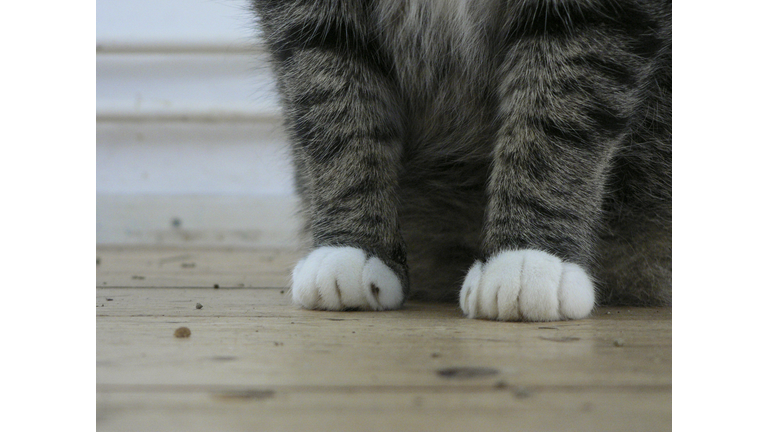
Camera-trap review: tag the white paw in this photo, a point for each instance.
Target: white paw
(526, 285)
(337, 278)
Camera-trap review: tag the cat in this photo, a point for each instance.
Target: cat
(513, 154)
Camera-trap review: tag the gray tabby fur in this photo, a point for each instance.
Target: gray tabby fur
(434, 133)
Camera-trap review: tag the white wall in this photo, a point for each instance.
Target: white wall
(197, 22)
(188, 127)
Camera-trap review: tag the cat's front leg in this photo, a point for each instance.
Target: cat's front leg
(346, 130)
(566, 100)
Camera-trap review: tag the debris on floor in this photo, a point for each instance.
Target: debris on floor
(182, 332)
(521, 392)
(560, 339)
(198, 306)
(466, 372)
(245, 394)
(223, 358)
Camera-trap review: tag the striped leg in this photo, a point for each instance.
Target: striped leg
(568, 88)
(346, 130)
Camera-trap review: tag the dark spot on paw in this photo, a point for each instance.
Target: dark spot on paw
(466, 296)
(338, 291)
(375, 291)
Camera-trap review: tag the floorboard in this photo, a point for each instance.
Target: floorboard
(256, 362)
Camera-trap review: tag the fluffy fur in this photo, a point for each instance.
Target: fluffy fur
(433, 134)
(526, 284)
(337, 278)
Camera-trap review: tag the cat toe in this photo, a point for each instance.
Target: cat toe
(576, 293)
(338, 278)
(526, 285)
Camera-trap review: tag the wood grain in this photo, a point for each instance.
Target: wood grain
(256, 362)
(147, 266)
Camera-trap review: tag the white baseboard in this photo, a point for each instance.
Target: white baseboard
(237, 221)
(218, 85)
(191, 158)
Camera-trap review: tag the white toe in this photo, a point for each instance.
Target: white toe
(469, 289)
(381, 285)
(577, 296)
(338, 279)
(541, 279)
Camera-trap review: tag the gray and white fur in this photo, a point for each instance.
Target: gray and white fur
(513, 154)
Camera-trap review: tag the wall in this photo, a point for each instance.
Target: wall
(189, 148)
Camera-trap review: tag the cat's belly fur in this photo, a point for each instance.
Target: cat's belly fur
(450, 108)
(447, 159)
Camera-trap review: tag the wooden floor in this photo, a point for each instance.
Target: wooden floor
(254, 362)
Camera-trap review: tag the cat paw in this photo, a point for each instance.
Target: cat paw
(526, 285)
(338, 278)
